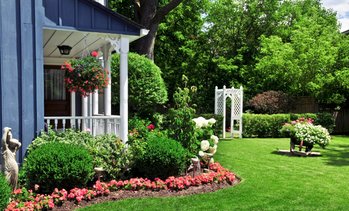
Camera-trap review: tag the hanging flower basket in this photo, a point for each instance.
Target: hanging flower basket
(85, 75)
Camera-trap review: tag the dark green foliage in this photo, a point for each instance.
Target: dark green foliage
(5, 192)
(146, 86)
(326, 120)
(58, 165)
(271, 102)
(218, 126)
(182, 48)
(163, 157)
(179, 120)
(263, 125)
(138, 129)
(182, 128)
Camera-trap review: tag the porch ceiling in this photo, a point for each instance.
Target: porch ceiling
(81, 42)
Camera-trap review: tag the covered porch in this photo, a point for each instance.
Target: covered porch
(85, 26)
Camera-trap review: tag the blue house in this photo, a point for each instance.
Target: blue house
(31, 83)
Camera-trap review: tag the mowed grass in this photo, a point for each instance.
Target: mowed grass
(270, 181)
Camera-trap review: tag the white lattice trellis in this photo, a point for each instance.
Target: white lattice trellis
(236, 97)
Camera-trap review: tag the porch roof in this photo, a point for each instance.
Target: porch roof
(87, 15)
(84, 25)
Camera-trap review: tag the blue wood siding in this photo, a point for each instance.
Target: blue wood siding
(21, 69)
(86, 15)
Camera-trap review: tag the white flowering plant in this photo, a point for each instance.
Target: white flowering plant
(304, 130)
(313, 134)
(203, 129)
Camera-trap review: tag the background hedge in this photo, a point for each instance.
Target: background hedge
(269, 125)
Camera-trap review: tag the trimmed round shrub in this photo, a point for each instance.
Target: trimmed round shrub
(5, 192)
(162, 157)
(146, 86)
(58, 165)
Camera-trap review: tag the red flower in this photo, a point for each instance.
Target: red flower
(151, 127)
(94, 53)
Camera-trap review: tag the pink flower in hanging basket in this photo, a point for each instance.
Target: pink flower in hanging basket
(85, 75)
(94, 53)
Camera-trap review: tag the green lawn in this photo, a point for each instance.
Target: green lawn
(270, 181)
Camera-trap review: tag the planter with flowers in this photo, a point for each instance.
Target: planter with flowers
(303, 132)
(85, 75)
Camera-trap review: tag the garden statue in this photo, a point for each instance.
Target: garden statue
(195, 166)
(9, 146)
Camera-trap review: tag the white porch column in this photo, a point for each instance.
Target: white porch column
(107, 90)
(72, 108)
(84, 112)
(95, 102)
(124, 48)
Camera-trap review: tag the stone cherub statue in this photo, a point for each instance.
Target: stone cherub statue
(9, 146)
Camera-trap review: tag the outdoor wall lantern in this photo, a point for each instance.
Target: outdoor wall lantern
(64, 49)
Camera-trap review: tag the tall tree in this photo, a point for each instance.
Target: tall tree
(181, 49)
(234, 31)
(302, 58)
(148, 13)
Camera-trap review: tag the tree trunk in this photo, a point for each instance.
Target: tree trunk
(145, 45)
(148, 14)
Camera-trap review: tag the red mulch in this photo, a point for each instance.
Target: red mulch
(124, 194)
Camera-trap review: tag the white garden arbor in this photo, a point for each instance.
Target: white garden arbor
(236, 98)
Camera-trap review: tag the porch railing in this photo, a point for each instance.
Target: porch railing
(96, 125)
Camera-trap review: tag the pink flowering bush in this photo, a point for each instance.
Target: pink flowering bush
(23, 199)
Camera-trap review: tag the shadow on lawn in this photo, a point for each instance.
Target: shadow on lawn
(295, 153)
(338, 156)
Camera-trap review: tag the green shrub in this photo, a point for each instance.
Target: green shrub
(58, 165)
(269, 125)
(146, 86)
(263, 125)
(326, 120)
(5, 192)
(162, 157)
(107, 151)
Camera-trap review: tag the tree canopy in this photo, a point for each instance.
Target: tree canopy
(293, 46)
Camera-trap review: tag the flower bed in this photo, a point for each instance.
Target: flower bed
(28, 200)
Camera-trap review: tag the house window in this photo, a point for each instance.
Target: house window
(54, 84)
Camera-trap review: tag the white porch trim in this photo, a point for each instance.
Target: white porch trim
(124, 49)
(107, 66)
